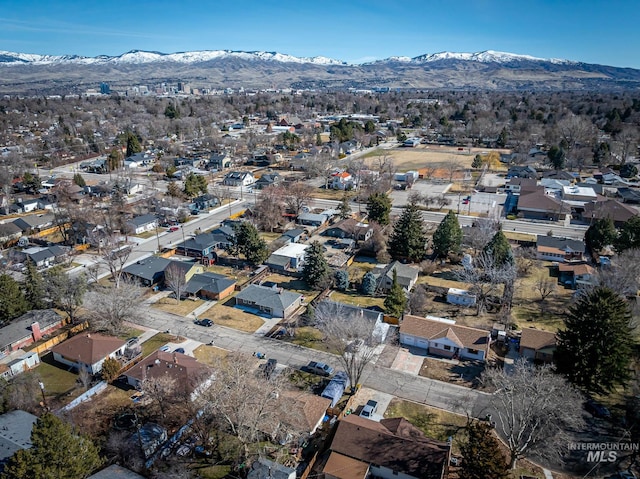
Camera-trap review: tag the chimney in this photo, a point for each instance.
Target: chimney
(35, 331)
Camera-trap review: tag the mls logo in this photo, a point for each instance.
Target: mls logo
(602, 456)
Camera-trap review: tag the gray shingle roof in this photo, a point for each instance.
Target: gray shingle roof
(564, 244)
(20, 328)
(143, 220)
(268, 297)
(147, 268)
(15, 432)
(210, 282)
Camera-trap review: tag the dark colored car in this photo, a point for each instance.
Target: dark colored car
(179, 350)
(319, 368)
(596, 409)
(204, 322)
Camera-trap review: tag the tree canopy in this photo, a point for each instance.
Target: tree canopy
(601, 233)
(628, 235)
(194, 185)
(396, 300)
(596, 345)
(316, 271)
(247, 241)
(408, 239)
(500, 249)
(379, 208)
(481, 454)
(12, 300)
(448, 236)
(58, 452)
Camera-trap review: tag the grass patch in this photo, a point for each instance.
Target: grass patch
(155, 342)
(146, 234)
(463, 373)
(270, 237)
(440, 282)
(227, 315)
(96, 416)
(183, 308)
(435, 423)
(130, 333)
(328, 194)
(209, 355)
(355, 298)
(358, 269)
(214, 472)
(56, 377)
(292, 284)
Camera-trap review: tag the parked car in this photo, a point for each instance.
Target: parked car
(596, 409)
(179, 350)
(200, 451)
(131, 341)
(204, 322)
(369, 409)
(183, 450)
(165, 348)
(321, 369)
(174, 228)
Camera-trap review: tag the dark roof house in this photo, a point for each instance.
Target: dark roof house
(273, 301)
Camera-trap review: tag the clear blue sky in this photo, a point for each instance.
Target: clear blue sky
(593, 31)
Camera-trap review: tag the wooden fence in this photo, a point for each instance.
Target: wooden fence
(57, 339)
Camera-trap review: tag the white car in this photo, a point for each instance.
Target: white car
(369, 409)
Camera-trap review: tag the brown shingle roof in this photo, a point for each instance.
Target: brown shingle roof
(618, 212)
(304, 410)
(576, 268)
(391, 443)
(471, 338)
(184, 369)
(88, 348)
(536, 339)
(538, 200)
(343, 467)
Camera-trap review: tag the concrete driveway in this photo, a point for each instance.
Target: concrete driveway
(407, 362)
(365, 394)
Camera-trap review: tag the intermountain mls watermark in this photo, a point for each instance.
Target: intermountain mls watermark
(604, 451)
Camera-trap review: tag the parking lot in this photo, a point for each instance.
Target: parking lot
(421, 187)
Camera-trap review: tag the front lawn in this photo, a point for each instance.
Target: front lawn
(436, 423)
(56, 377)
(228, 315)
(184, 308)
(462, 373)
(356, 299)
(209, 355)
(155, 342)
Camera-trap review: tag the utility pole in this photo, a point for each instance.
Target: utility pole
(44, 398)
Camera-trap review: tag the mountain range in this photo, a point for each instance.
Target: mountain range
(29, 74)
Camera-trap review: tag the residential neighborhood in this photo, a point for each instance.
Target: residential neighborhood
(332, 295)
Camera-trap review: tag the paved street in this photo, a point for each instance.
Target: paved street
(398, 383)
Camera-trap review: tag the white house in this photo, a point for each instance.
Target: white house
(460, 297)
(239, 178)
(445, 339)
(142, 223)
(342, 181)
(17, 362)
(88, 351)
(290, 256)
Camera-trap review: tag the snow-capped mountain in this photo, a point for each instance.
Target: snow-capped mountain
(24, 73)
(136, 57)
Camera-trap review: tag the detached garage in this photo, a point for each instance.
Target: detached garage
(444, 338)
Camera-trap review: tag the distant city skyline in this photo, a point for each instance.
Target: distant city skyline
(354, 31)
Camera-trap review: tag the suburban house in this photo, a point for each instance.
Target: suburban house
(187, 372)
(15, 433)
(518, 185)
(210, 286)
(17, 362)
(517, 171)
(29, 328)
(581, 194)
(34, 223)
(406, 275)
(350, 228)
(151, 271)
(219, 161)
(291, 236)
(274, 301)
(391, 448)
(312, 219)
(329, 308)
(576, 275)
(461, 297)
(138, 160)
(538, 205)
(620, 213)
(27, 206)
(445, 338)
(204, 245)
(629, 195)
(537, 345)
(45, 257)
(141, 224)
(115, 472)
(268, 179)
(342, 181)
(239, 178)
(88, 351)
(305, 411)
(204, 202)
(9, 232)
(290, 256)
(551, 248)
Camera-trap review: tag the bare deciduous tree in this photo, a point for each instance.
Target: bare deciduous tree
(484, 278)
(297, 196)
(535, 409)
(111, 306)
(354, 336)
(269, 209)
(481, 233)
(545, 286)
(175, 280)
(161, 390)
(115, 254)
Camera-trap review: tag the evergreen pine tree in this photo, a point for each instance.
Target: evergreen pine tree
(481, 454)
(448, 236)
(601, 233)
(12, 302)
(396, 300)
(58, 451)
(477, 162)
(34, 287)
(316, 271)
(379, 208)
(408, 240)
(596, 345)
(341, 279)
(368, 284)
(629, 235)
(247, 241)
(344, 208)
(500, 249)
